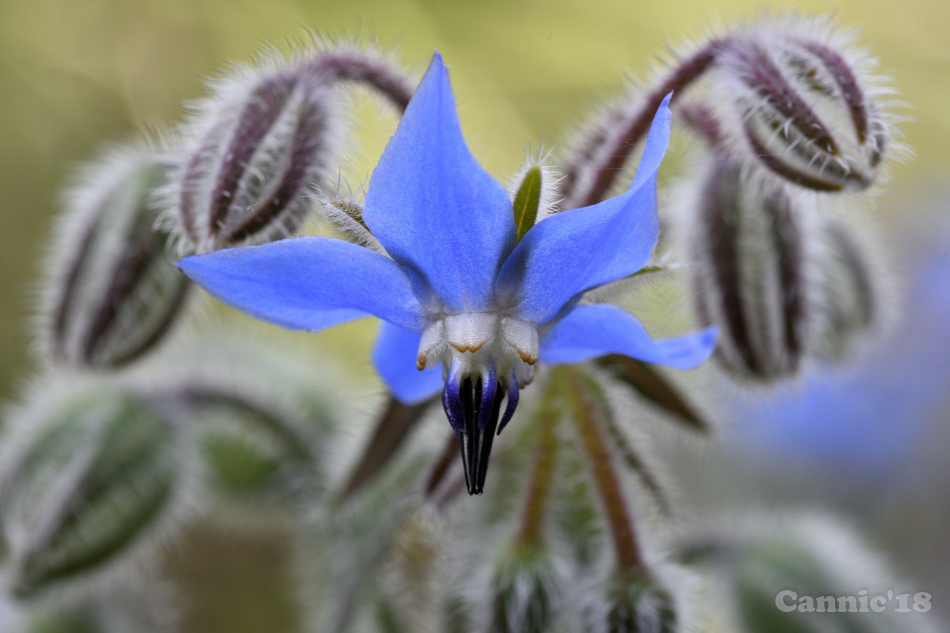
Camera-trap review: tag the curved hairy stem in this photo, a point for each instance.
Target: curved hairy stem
(586, 415)
(590, 175)
(368, 69)
(542, 473)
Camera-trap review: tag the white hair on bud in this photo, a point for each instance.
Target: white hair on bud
(784, 40)
(208, 134)
(856, 304)
(90, 186)
(74, 280)
(40, 403)
(343, 210)
(755, 253)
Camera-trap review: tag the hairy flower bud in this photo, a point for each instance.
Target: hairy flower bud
(111, 291)
(803, 102)
(748, 272)
(852, 303)
(525, 594)
(257, 147)
(632, 605)
(88, 479)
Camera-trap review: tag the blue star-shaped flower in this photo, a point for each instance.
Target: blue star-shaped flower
(466, 306)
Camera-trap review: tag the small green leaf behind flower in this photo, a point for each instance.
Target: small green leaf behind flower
(527, 200)
(252, 452)
(534, 191)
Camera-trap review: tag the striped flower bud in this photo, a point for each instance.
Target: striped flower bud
(111, 290)
(852, 303)
(632, 605)
(747, 242)
(256, 149)
(525, 593)
(89, 479)
(805, 104)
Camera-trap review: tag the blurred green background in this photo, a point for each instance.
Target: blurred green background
(77, 73)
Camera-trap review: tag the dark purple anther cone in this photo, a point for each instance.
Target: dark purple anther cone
(473, 407)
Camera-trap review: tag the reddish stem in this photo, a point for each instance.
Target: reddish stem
(623, 534)
(370, 70)
(542, 475)
(606, 163)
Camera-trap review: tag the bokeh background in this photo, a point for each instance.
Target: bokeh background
(76, 74)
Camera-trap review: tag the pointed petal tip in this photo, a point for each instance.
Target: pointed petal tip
(421, 196)
(436, 67)
(191, 266)
(184, 263)
(654, 149)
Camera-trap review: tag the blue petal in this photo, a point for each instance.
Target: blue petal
(307, 283)
(579, 249)
(594, 330)
(433, 207)
(395, 358)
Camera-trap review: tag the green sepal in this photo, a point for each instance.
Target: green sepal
(527, 201)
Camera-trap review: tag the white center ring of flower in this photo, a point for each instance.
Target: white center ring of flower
(476, 340)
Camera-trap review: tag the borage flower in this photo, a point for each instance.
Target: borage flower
(466, 306)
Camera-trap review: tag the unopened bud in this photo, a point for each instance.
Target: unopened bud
(89, 480)
(852, 301)
(805, 104)
(748, 272)
(257, 147)
(112, 291)
(525, 593)
(637, 604)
